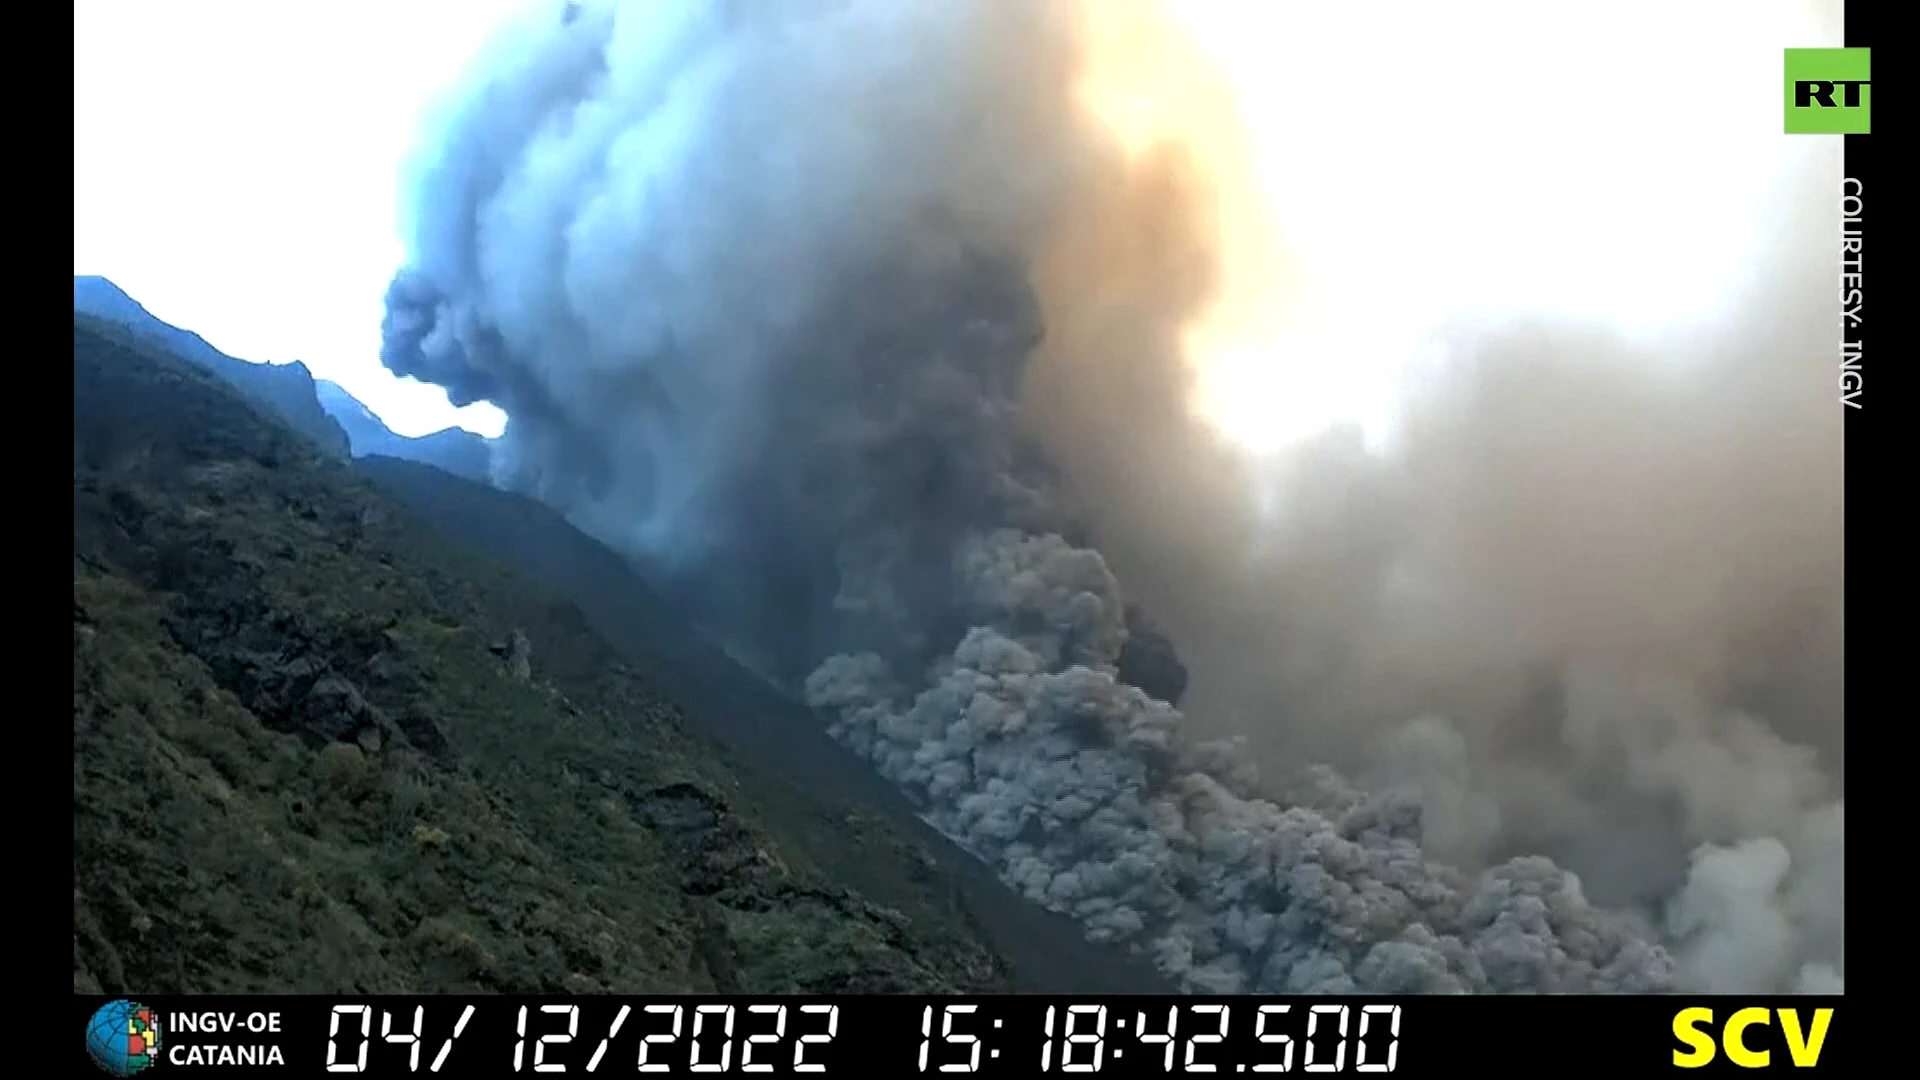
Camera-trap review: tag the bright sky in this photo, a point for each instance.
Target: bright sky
(236, 163)
(236, 169)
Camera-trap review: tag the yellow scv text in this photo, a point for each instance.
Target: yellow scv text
(1693, 1027)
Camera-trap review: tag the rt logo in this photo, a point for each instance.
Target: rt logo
(1828, 92)
(1694, 1028)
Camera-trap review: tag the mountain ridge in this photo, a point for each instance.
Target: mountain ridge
(286, 389)
(454, 449)
(321, 409)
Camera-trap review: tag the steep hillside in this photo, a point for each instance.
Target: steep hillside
(770, 733)
(287, 389)
(318, 749)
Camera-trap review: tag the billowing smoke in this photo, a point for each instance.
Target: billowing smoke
(847, 320)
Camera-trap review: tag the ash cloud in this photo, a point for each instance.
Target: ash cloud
(846, 319)
(1590, 605)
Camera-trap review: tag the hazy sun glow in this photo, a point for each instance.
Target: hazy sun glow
(1389, 171)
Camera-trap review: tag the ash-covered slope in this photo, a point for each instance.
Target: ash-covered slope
(318, 749)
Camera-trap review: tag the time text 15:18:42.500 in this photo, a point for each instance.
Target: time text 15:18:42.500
(1195, 1038)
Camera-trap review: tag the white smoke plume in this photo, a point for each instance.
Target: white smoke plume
(847, 318)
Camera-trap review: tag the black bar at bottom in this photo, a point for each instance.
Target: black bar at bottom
(991, 1036)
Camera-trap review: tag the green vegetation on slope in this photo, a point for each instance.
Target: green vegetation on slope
(315, 749)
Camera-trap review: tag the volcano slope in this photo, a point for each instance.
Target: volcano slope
(319, 748)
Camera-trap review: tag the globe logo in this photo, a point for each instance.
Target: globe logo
(124, 1038)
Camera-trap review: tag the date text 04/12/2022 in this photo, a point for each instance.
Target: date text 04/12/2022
(1022, 1038)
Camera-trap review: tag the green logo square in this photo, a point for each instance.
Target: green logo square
(1827, 92)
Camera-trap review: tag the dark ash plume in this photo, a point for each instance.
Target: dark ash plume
(846, 319)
